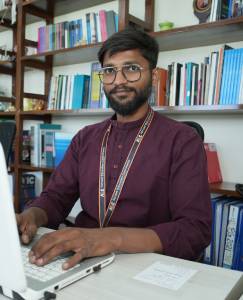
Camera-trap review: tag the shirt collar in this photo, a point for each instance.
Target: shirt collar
(128, 125)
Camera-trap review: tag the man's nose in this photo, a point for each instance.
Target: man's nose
(120, 78)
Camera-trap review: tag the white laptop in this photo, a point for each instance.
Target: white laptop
(18, 279)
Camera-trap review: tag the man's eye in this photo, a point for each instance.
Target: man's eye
(109, 71)
(132, 68)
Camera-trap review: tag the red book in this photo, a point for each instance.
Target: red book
(160, 86)
(214, 172)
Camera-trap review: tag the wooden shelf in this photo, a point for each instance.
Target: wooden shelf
(7, 114)
(7, 99)
(199, 109)
(34, 168)
(222, 31)
(61, 7)
(7, 68)
(227, 188)
(69, 56)
(80, 112)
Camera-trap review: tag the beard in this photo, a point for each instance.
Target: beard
(125, 107)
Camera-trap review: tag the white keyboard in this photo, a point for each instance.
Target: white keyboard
(45, 273)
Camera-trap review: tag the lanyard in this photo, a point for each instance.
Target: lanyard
(105, 214)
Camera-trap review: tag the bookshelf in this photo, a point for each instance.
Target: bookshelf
(174, 39)
(35, 10)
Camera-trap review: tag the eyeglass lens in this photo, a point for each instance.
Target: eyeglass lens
(130, 72)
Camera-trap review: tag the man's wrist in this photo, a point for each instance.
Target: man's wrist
(40, 216)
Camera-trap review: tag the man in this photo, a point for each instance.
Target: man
(141, 177)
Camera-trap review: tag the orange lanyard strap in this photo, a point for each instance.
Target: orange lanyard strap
(105, 214)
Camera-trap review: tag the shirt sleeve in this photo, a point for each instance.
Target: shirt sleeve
(62, 190)
(188, 232)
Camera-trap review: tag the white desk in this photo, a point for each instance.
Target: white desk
(116, 282)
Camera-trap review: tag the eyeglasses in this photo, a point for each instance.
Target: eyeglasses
(131, 72)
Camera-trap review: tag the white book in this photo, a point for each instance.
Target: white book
(98, 30)
(51, 97)
(64, 89)
(35, 144)
(240, 99)
(213, 76)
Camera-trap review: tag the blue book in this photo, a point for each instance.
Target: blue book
(238, 65)
(80, 31)
(78, 91)
(238, 251)
(62, 142)
(188, 82)
(216, 221)
(225, 78)
(88, 28)
(209, 254)
(219, 208)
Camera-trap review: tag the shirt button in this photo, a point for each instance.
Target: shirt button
(115, 166)
(120, 146)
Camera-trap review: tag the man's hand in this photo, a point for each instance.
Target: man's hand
(82, 242)
(29, 221)
(92, 242)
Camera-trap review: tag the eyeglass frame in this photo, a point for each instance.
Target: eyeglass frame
(121, 69)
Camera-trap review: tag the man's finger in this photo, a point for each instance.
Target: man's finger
(71, 262)
(56, 250)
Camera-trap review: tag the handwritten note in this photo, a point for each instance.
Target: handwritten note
(167, 276)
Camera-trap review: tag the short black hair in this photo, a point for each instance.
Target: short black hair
(129, 39)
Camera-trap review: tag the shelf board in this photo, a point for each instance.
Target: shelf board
(201, 109)
(7, 68)
(69, 56)
(212, 33)
(34, 168)
(227, 188)
(197, 109)
(80, 112)
(62, 7)
(7, 99)
(7, 114)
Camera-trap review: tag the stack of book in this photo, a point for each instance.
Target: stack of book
(42, 141)
(96, 27)
(218, 80)
(226, 248)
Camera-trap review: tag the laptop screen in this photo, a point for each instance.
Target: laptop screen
(12, 270)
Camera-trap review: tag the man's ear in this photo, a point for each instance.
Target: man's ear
(154, 76)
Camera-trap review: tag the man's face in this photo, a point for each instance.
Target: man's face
(126, 97)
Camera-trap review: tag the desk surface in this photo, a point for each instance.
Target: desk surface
(116, 282)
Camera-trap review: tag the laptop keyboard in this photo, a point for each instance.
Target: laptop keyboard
(44, 273)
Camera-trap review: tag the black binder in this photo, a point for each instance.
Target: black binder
(7, 133)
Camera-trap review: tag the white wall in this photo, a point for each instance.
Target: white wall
(225, 130)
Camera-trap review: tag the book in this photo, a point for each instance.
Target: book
(26, 147)
(223, 229)
(214, 170)
(62, 142)
(232, 233)
(95, 86)
(27, 190)
(7, 135)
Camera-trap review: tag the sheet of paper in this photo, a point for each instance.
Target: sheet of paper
(167, 276)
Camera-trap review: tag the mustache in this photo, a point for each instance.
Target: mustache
(122, 88)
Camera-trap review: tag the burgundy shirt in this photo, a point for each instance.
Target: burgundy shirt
(166, 188)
